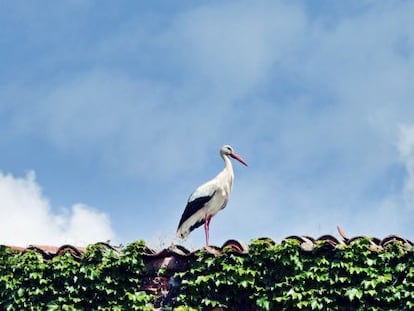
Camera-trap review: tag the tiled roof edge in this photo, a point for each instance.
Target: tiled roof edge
(178, 251)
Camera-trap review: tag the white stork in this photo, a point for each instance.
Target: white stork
(209, 198)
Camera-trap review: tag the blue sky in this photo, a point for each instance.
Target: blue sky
(112, 113)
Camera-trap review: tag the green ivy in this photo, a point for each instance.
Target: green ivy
(284, 277)
(358, 276)
(101, 280)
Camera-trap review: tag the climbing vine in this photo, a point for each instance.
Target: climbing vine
(283, 277)
(270, 276)
(101, 280)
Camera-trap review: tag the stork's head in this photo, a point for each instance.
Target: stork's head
(227, 150)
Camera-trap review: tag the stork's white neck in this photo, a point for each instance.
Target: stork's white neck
(228, 166)
(226, 176)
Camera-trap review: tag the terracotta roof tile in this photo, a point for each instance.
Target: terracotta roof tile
(171, 256)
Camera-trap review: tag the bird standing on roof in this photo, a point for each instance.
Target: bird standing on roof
(209, 198)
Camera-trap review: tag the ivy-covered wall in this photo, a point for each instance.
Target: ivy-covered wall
(269, 277)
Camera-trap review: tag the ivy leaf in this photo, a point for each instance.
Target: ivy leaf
(352, 293)
(263, 303)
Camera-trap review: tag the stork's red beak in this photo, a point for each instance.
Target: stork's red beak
(238, 158)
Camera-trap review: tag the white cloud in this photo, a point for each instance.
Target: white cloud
(406, 150)
(26, 217)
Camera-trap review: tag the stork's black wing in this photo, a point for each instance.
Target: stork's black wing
(192, 207)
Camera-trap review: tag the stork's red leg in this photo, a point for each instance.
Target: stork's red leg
(207, 227)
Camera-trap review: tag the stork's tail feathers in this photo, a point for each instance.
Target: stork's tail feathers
(187, 226)
(181, 233)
